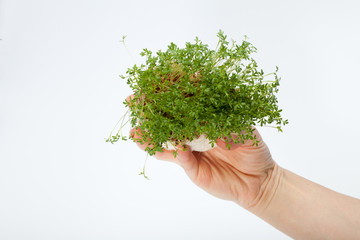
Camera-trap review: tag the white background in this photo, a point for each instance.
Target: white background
(60, 95)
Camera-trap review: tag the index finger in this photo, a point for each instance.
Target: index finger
(128, 99)
(166, 155)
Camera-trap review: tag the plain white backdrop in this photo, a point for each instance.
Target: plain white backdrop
(60, 95)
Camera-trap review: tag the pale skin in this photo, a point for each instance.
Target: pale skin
(248, 176)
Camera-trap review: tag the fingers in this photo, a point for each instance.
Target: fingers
(185, 159)
(222, 143)
(188, 161)
(128, 99)
(166, 155)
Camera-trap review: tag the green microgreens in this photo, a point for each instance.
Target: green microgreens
(182, 93)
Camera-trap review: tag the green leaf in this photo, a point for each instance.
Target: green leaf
(180, 93)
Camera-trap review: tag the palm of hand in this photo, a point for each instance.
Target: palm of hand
(235, 174)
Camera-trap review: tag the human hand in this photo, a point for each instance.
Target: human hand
(240, 174)
(247, 175)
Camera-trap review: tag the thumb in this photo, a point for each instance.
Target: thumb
(188, 161)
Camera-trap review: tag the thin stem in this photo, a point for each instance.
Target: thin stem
(269, 74)
(123, 41)
(122, 127)
(266, 126)
(121, 119)
(143, 172)
(270, 81)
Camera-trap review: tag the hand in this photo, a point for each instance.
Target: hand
(248, 175)
(239, 174)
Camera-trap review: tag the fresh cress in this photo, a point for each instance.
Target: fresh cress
(183, 93)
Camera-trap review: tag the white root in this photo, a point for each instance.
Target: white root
(201, 144)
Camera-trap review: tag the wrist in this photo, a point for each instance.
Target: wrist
(267, 191)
